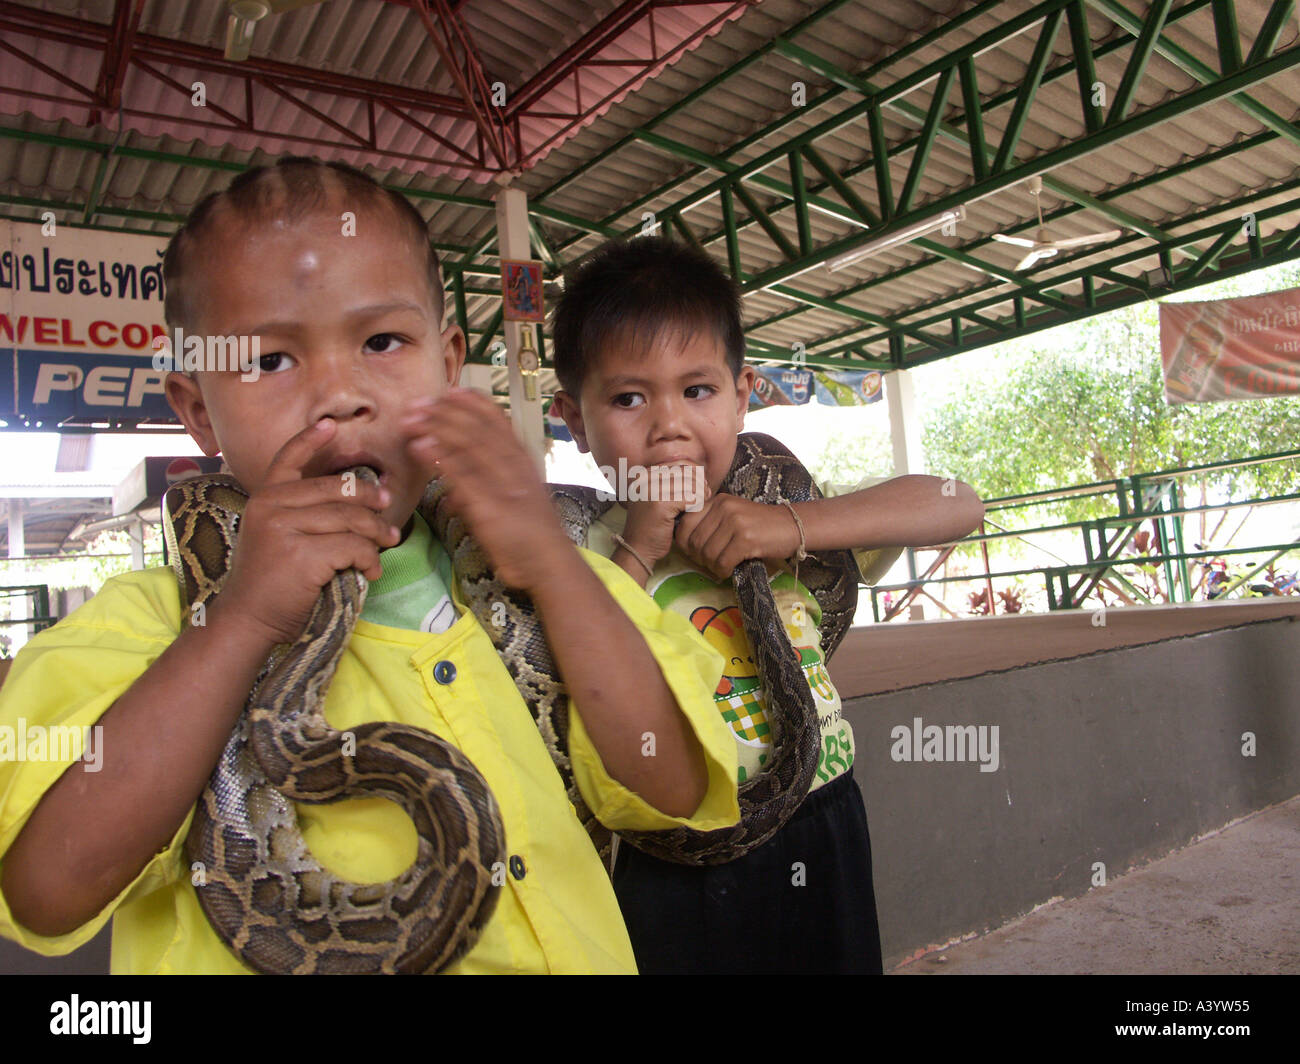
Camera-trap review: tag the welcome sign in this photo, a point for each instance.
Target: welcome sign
(79, 311)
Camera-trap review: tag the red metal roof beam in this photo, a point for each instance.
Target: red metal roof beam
(448, 33)
(81, 32)
(599, 37)
(117, 57)
(648, 68)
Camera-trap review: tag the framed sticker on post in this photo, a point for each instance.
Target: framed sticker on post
(521, 287)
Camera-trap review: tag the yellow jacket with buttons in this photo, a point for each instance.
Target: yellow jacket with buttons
(557, 911)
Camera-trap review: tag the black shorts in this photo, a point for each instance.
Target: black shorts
(803, 902)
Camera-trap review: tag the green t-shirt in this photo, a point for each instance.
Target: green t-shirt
(417, 574)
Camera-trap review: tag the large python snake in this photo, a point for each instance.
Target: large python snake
(280, 910)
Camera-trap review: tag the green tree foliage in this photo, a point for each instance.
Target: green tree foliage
(1085, 403)
(850, 456)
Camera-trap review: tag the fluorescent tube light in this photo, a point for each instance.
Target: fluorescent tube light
(902, 236)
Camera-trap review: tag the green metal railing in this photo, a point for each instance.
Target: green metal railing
(1155, 497)
(41, 618)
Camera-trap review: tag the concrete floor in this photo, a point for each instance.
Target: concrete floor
(1227, 904)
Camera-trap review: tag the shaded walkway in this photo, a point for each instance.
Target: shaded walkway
(1227, 904)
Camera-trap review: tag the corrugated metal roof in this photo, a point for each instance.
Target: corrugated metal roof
(383, 44)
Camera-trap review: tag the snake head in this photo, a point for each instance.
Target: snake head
(364, 473)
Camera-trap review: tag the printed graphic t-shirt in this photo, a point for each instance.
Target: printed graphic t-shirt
(712, 608)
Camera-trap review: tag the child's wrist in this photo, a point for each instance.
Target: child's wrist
(642, 562)
(236, 630)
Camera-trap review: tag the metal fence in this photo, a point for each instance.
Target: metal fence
(1161, 556)
(39, 596)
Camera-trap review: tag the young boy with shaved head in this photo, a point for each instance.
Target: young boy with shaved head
(337, 280)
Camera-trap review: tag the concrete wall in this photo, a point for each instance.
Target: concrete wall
(1116, 757)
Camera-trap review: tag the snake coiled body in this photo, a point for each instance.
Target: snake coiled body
(280, 910)
(264, 893)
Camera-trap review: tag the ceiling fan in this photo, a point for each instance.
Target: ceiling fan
(244, 17)
(1043, 246)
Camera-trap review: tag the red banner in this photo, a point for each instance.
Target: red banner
(1231, 348)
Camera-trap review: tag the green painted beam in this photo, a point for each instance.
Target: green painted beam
(733, 239)
(1213, 253)
(995, 298)
(722, 166)
(101, 170)
(71, 225)
(1227, 36)
(1184, 103)
(924, 41)
(1179, 169)
(679, 223)
(762, 216)
(489, 331)
(800, 191)
(80, 209)
(970, 97)
(540, 210)
(957, 136)
(841, 187)
(1279, 14)
(1002, 32)
(938, 307)
(1147, 37)
(1279, 248)
(1029, 85)
(1085, 66)
(854, 312)
(800, 27)
(880, 151)
(928, 132)
(769, 227)
(1189, 64)
(542, 245)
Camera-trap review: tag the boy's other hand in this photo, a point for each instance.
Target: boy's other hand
(492, 482)
(297, 532)
(651, 525)
(730, 530)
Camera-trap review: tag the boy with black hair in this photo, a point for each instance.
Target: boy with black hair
(649, 352)
(337, 280)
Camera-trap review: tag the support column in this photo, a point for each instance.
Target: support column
(17, 543)
(513, 242)
(904, 424)
(905, 435)
(135, 530)
(18, 607)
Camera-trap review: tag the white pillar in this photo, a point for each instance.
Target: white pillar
(905, 435)
(513, 242)
(18, 606)
(17, 544)
(135, 530)
(904, 424)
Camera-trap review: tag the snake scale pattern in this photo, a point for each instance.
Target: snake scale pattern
(280, 910)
